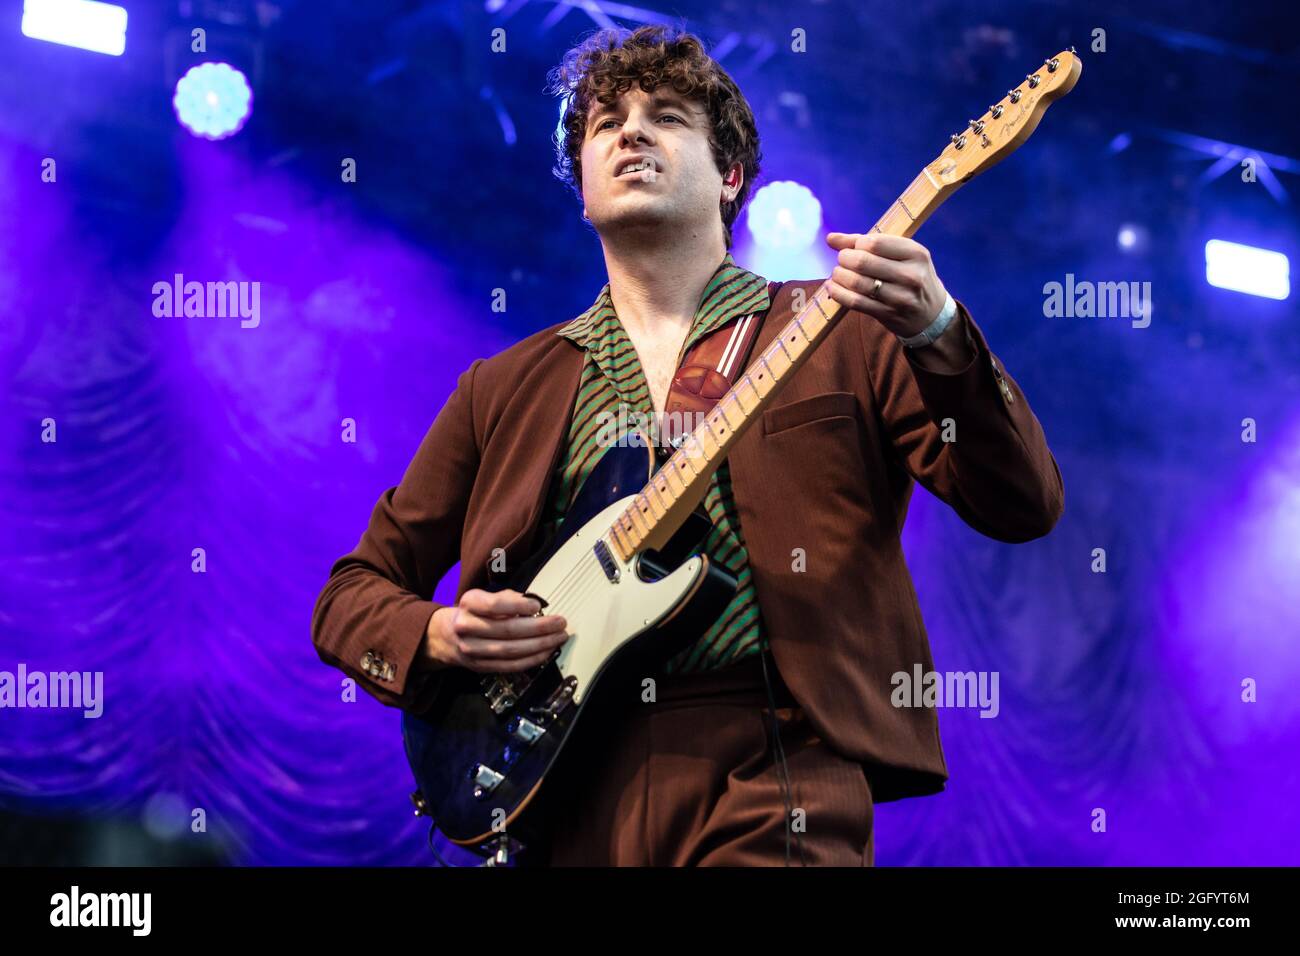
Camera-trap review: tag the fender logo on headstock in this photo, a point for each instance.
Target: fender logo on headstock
(1025, 105)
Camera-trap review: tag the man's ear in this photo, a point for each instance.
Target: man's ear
(733, 178)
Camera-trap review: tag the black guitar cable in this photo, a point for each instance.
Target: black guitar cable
(775, 743)
(433, 828)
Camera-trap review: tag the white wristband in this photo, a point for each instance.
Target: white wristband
(935, 329)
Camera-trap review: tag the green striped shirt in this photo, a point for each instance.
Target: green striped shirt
(612, 374)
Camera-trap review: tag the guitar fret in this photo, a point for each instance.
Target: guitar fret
(622, 545)
(668, 471)
(817, 302)
(633, 514)
(655, 490)
(770, 355)
(720, 422)
(649, 494)
(705, 425)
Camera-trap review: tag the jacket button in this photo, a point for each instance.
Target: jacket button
(1002, 382)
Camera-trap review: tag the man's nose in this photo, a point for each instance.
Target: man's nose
(635, 129)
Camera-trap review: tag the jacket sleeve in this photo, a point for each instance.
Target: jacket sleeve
(370, 619)
(998, 473)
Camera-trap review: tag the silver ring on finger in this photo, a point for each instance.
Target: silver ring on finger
(875, 289)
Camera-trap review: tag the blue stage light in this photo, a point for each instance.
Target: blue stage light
(213, 100)
(1131, 238)
(99, 27)
(784, 215)
(1262, 272)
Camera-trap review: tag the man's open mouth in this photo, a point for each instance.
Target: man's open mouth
(635, 168)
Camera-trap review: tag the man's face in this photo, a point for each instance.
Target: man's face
(682, 187)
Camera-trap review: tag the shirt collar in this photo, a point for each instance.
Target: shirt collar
(733, 291)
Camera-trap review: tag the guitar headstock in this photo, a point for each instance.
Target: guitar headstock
(1000, 131)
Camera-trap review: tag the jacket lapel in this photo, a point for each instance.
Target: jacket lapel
(538, 425)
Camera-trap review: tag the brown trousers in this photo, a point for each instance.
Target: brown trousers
(692, 780)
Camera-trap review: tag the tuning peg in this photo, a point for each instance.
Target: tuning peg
(1033, 79)
(1051, 64)
(1013, 96)
(976, 126)
(958, 141)
(996, 110)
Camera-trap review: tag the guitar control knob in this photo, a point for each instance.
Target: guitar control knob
(485, 780)
(524, 730)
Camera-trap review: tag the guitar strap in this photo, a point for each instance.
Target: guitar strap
(709, 370)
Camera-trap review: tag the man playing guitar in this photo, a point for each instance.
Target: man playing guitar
(776, 722)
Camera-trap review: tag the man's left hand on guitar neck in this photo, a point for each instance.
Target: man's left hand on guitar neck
(909, 297)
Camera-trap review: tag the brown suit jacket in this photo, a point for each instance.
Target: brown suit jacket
(829, 469)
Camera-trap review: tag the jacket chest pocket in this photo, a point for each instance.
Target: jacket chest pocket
(827, 406)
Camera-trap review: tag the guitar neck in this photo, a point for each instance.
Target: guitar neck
(678, 487)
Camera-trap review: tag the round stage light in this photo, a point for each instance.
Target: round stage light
(213, 100)
(784, 215)
(1132, 238)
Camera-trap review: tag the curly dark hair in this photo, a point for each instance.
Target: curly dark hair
(606, 64)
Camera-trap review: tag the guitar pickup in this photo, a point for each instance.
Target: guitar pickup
(607, 562)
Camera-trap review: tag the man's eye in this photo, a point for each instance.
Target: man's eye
(603, 123)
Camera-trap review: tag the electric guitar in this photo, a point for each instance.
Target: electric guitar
(624, 568)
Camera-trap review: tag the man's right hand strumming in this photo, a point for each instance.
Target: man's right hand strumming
(491, 632)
